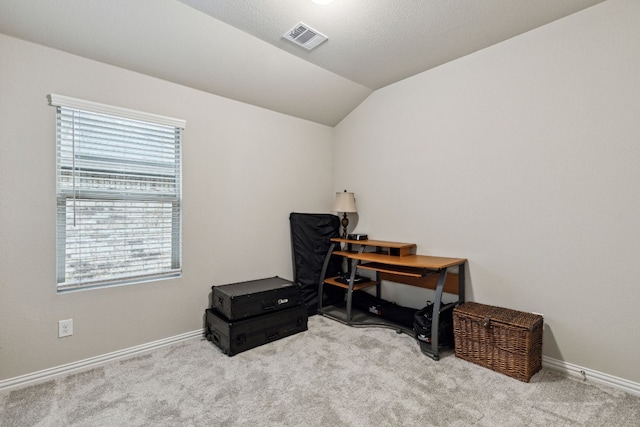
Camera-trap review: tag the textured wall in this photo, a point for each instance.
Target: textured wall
(244, 170)
(524, 159)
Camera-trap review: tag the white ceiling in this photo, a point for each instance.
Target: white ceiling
(234, 48)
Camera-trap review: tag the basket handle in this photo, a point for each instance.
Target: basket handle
(486, 322)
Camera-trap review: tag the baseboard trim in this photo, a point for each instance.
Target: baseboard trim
(57, 371)
(587, 374)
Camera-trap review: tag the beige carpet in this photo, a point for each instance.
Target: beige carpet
(330, 375)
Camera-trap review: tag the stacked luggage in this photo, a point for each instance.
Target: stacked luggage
(249, 314)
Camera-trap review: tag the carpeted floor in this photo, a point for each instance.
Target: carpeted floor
(330, 375)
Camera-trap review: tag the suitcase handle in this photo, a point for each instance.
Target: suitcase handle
(273, 335)
(268, 305)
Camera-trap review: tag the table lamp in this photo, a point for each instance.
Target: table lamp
(345, 203)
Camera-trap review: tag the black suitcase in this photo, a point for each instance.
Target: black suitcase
(245, 299)
(237, 336)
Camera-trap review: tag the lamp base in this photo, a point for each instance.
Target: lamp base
(345, 223)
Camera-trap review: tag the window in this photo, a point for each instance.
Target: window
(118, 193)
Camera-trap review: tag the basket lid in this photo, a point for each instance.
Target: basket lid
(500, 314)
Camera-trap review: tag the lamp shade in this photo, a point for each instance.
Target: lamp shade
(345, 202)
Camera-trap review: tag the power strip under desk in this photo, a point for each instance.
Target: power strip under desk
(360, 318)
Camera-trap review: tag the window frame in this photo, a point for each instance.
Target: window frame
(119, 199)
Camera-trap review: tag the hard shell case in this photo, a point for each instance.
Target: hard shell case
(234, 337)
(245, 299)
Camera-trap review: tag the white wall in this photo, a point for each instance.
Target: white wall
(522, 158)
(244, 170)
(525, 159)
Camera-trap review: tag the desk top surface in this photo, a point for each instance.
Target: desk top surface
(374, 243)
(416, 261)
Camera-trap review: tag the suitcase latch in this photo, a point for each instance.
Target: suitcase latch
(268, 305)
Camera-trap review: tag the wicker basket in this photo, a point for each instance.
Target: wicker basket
(501, 339)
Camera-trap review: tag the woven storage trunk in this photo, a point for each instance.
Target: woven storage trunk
(501, 339)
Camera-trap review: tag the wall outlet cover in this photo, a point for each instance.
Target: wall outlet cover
(65, 328)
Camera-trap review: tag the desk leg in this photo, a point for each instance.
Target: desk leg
(323, 273)
(354, 264)
(435, 323)
(461, 282)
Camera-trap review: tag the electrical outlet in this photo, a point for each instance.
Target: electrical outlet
(65, 328)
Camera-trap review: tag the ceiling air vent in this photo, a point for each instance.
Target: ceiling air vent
(305, 36)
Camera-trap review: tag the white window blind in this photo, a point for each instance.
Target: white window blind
(119, 195)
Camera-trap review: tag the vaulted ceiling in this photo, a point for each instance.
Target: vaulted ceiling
(234, 48)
